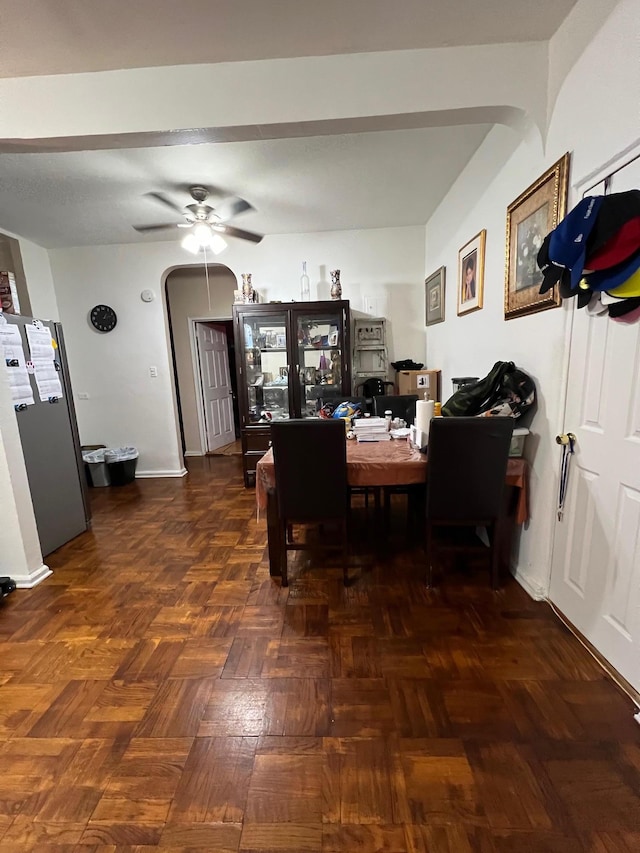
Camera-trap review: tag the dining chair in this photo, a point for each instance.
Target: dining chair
(401, 406)
(310, 461)
(467, 465)
(372, 386)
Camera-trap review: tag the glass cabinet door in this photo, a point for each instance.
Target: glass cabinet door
(266, 367)
(319, 362)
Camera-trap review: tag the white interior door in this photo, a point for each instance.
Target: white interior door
(216, 385)
(595, 576)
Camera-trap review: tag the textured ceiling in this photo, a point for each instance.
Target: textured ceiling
(358, 180)
(391, 171)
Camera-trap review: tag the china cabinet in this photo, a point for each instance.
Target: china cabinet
(288, 355)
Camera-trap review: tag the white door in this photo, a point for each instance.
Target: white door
(216, 386)
(595, 575)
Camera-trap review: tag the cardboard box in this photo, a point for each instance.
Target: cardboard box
(418, 382)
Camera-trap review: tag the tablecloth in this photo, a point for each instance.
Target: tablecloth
(391, 463)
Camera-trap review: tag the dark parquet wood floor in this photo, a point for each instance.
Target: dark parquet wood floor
(161, 693)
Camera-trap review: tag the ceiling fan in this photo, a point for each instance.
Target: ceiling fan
(206, 223)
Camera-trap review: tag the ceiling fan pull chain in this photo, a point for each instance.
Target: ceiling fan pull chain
(206, 273)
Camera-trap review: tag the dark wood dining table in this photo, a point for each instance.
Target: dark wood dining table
(379, 464)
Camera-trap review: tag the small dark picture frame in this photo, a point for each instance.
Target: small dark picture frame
(434, 287)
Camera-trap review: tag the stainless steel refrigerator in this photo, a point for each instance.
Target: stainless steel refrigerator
(51, 448)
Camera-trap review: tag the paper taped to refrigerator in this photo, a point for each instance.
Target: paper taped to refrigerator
(13, 355)
(43, 358)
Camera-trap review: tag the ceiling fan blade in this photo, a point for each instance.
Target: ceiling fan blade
(231, 207)
(238, 232)
(145, 229)
(162, 199)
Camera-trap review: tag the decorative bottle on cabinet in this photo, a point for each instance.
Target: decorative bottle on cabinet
(305, 291)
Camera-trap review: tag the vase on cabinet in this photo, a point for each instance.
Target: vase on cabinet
(336, 287)
(247, 288)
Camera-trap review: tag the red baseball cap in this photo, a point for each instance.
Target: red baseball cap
(624, 243)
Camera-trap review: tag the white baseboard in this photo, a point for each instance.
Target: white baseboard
(178, 472)
(33, 578)
(193, 453)
(530, 586)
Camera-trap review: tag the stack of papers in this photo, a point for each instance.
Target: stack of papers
(371, 429)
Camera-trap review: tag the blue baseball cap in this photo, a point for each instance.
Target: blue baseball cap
(568, 240)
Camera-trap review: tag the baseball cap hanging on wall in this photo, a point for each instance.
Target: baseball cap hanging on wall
(595, 250)
(568, 242)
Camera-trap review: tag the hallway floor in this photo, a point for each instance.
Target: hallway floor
(161, 692)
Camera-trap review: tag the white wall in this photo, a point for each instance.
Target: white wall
(125, 405)
(188, 298)
(37, 272)
(594, 128)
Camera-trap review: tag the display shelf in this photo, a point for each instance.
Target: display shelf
(319, 348)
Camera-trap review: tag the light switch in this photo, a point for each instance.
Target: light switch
(153, 372)
(82, 395)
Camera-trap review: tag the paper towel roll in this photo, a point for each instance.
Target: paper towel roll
(424, 413)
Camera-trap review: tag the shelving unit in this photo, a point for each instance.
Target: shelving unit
(370, 357)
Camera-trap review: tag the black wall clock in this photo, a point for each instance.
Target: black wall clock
(103, 318)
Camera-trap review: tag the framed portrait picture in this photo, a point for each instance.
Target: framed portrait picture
(529, 219)
(333, 338)
(471, 273)
(434, 296)
(281, 341)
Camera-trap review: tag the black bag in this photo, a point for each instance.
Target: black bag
(506, 390)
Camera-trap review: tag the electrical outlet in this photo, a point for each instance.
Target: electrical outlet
(82, 395)
(153, 372)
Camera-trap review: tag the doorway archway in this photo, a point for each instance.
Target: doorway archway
(193, 308)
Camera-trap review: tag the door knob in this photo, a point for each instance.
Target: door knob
(565, 438)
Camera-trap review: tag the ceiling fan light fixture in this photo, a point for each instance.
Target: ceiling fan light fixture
(203, 234)
(205, 223)
(191, 244)
(202, 237)
(217, 244)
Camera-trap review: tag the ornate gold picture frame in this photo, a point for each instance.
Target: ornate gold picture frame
(471, 273)
(530, 218)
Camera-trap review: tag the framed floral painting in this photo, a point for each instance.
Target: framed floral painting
(434, 296)
(530, 218)
(471, 274)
